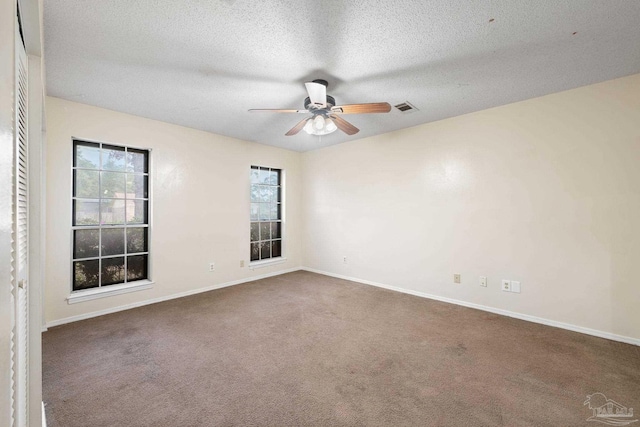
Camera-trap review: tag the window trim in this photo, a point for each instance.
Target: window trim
(80, 295)
(109, 290)
(283, 229)
(267, 262)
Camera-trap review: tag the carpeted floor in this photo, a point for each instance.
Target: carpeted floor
(303, 349)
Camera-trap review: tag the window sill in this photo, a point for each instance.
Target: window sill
(107, 291)
(266, 263)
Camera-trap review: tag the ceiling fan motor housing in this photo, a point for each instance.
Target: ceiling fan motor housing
(331, 102)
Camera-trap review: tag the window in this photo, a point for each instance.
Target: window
(266, 213)
(110, 215)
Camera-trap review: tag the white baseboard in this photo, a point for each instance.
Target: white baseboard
(164, 298)
(529, 318)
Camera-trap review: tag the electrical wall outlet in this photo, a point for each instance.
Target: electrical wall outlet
(456, 278)
(515, 286)
(483, 281)
(344, 259)
(241, 263)
(212, 266)
(511, 286)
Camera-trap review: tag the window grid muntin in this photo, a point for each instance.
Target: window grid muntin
(259, 221)
(100, 226)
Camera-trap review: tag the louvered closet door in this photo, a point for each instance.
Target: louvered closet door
(20, 333)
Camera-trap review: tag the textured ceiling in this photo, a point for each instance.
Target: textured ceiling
(204, 63)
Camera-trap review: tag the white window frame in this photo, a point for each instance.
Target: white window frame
(76, 296)
(282, 258)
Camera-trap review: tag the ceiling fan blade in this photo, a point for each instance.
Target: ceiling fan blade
(317, 93)
(269, 110)
(376, 107)
(344, 125)
(297, 128)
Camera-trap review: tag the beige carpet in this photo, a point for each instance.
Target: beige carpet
(303, 349)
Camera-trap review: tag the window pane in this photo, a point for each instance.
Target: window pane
(136, 267)
(276, 232)
(86, 183)
(274, 211)
(255, 175)
(113, 158)
(86, 212)
(255, 251)
(112, 241)
(255, 193)
(265, 230)
(275, 194)
(265, 250)
(136, 240)
(266, 193)
(85, 274)
(87, 155)
(136, 211)
(264, 175)
(270, 193)
(264, 211)
(112, 271)
(112, 184)
(85, 243)
(254, 231)
(274, 177)
(137, 161)
(276, 248)
(255, 211)
(112, 211)
(136, 186)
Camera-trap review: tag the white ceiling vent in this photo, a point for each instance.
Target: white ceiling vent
(406, 107)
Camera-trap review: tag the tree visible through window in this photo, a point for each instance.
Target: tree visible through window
(266, 213)
(110, 215)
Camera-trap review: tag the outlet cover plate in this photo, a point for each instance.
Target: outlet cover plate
(483, 281)
(506, 285)
(515, 286)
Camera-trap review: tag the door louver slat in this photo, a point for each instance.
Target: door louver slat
(20, 246)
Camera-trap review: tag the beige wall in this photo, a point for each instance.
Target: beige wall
(545, 191)
(200, 203)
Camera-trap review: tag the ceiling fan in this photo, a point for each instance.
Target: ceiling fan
(325, 113)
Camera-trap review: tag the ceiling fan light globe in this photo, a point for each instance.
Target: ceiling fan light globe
(330, 126)
(308, 127)
(318, 123)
